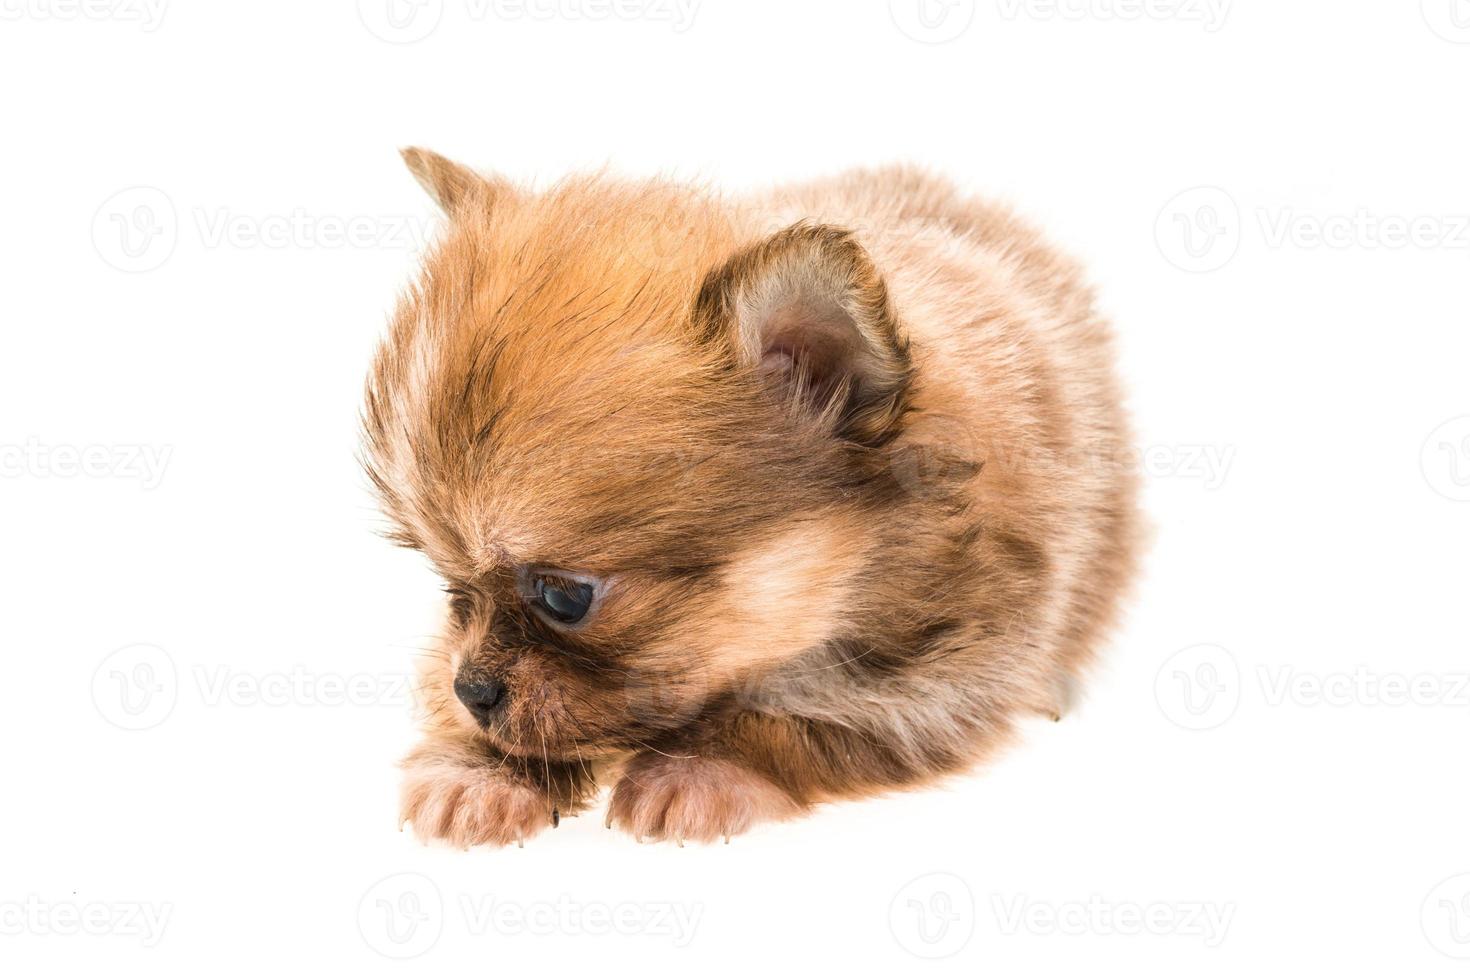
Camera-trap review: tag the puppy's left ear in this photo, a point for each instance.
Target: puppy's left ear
(450, 184)
(809, 312)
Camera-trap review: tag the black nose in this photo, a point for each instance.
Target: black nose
(481, 694)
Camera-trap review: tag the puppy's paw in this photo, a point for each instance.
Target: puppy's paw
(667, 798)
(468, 805)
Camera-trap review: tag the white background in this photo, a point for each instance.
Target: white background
(1269, 770)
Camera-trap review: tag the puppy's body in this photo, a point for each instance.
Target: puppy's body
(837, 464)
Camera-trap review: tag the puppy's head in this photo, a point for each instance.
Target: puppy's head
(643, 450)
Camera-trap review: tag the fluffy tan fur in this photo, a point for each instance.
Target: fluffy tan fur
(847, 458)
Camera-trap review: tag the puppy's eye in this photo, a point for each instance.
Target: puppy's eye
(461, 605)
(560, 598)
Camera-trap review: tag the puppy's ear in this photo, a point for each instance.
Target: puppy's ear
(809, 312)
(447, 182)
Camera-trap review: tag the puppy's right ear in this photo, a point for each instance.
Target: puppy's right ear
(809, 314)
(450, 184)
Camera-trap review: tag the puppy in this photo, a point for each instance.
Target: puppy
(740, 505)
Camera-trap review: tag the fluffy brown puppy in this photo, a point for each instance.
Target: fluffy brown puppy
(743, 504)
